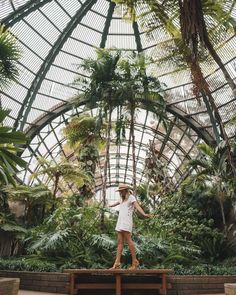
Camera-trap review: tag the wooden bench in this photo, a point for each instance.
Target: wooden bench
(118, 279)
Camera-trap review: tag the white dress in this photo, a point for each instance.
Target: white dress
(125, 218)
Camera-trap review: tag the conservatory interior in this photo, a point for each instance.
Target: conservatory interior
(117, 102)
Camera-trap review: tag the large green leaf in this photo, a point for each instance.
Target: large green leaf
(12, 228)
(13, 137)
(3, 114)
(12, 158)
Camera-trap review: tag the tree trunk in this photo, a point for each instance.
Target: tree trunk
(133, 147)
(106, 162)
(217, 59)
(222, 214)
(213, 53)
(54, 193)
(202, 87)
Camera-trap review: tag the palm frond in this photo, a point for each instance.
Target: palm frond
(103, 242)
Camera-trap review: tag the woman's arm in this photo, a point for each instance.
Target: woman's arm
(114, 205)
(140, 210)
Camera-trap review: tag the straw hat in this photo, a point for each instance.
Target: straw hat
(122, 187)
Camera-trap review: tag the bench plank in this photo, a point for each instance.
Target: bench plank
(122, 271)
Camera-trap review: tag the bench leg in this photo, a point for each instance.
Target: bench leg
(164, 284)
(118, 284)
(72, 283)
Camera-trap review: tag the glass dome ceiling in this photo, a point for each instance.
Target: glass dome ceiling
(56, 35)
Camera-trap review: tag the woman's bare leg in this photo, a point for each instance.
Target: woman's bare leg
(131, 245)
(120, 245)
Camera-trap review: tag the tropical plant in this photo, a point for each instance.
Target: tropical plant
(156, 171)
(216, 173)
(68, 237)
(9, 55)
(139, 90)
(9, 160)
(189, 40)
(11, 234)
(85, 139)
(71, 172)
(208, 24)
(101, 91)
(36, 200)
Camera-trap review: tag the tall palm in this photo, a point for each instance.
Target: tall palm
(215, 171)
(9, 160)
(101, 91)
(9, 55)
(140, 91)
(193, 30)
(192, 15)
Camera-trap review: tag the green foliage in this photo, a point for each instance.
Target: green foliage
(83, 130)
(9, 55)
(68, 236)
(217, 248)
(27, 264)
(36, 199)
(216, 174)
(203, 269)
(8, 150)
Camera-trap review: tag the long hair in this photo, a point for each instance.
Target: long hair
(123, 197)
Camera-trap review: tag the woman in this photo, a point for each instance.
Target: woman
(125, 224)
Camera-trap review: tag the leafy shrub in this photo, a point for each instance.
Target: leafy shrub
(24, 264)
(203, 269)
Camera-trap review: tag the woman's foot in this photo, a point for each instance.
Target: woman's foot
(134, 265)
(116, 265)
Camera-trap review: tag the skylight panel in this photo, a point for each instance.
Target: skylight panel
(94, 20)
(29, 36)
(87, 35)
(71, 6)
(123, 42)
(43, 26)
(56, 14)
(80, 49)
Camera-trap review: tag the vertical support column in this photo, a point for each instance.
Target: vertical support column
(164, 284)
(72, 283)
(118, 284)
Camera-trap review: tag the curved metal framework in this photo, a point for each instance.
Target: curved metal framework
(54, 36)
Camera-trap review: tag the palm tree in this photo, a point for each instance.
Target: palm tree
(71, 172)
(191, 15)
(83, 137)
(9, 55)
(194, 28)
(9, 160)
(186, 40)
(140, 91)
(215, 171)
(101, 91)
